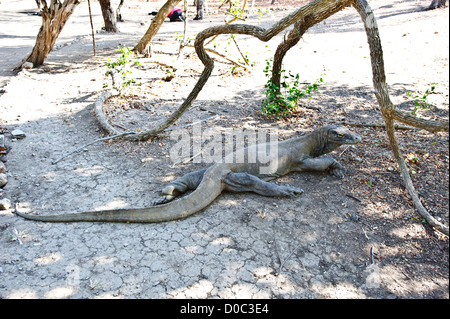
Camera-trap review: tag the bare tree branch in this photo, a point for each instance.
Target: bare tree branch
(388, 108)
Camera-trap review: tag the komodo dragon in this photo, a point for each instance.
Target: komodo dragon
(295, 154)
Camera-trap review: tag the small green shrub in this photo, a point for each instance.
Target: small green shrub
(280, 101)
(421, 101)
(123, 65)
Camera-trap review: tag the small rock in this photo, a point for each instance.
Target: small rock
(3, 179)
(5, 204)
(2, 167)
(27, 65)
(353, 217)
(18, 134)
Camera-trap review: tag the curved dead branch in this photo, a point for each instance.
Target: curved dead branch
(317, 10)
(294, 36)
(429, 125)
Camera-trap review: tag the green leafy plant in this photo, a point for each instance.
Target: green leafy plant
(421, 101)
(180, 38)
(170, 74)
(261, 12)
(123, 65)
(281, 100)
(235, 8)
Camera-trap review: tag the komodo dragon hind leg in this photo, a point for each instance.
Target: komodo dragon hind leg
(244, 182)
(180, 186)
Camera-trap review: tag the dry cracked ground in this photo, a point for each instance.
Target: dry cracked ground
(357, 237)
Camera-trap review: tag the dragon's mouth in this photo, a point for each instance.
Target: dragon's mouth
(355, 139)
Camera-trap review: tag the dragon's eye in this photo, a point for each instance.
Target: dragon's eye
(340, 134)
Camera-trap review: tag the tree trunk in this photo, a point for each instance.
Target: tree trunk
(118, 13)
(108, 16)
(437, 4)
(143, 47)
(53, 20)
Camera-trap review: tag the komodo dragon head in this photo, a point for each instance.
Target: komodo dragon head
(333, 136)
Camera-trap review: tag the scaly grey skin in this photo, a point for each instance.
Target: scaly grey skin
(293, 155)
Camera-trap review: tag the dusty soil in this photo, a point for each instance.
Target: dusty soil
(357, 237)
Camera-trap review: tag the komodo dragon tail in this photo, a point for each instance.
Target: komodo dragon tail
(210, 187)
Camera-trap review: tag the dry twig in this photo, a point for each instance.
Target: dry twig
(90, 143)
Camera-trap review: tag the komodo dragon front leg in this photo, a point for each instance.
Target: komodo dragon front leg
(323, 164)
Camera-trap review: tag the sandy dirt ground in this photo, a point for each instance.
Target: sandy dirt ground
(357, 237)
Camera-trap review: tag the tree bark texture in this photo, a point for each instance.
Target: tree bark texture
(54, 17)
(108, 16)
(143, 47)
